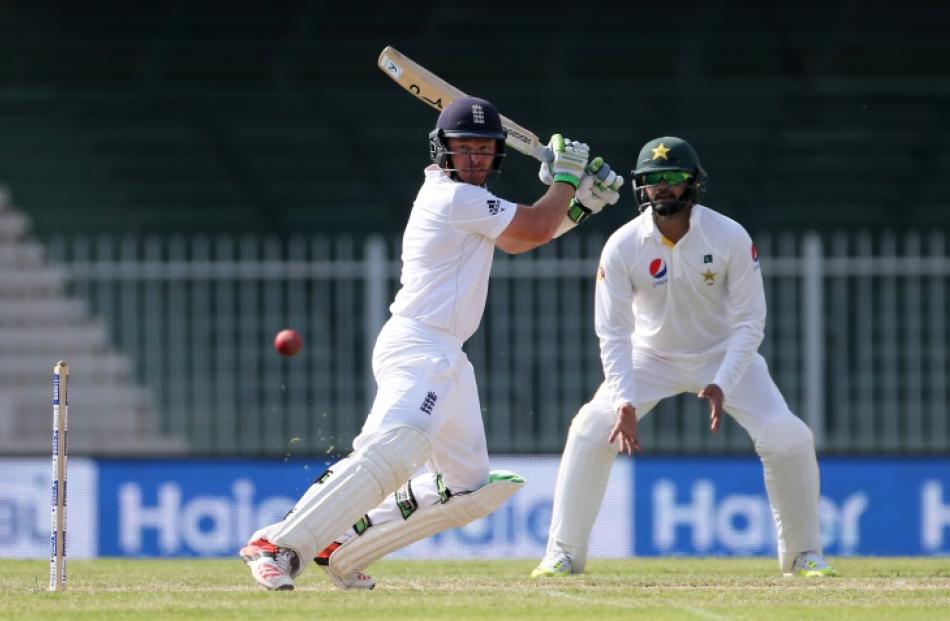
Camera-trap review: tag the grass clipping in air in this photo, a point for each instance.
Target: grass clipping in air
(655, 589)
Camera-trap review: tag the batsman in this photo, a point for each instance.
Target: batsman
(426, 412)
(680, 307)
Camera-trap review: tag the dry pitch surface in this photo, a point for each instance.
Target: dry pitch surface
(719, 589)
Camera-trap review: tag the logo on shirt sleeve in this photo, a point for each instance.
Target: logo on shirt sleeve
(494, 206)
(601, 272)
(755, 253)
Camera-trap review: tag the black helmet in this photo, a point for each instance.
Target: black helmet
(468, 117)
(668, 154)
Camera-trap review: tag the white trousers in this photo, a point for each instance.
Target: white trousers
(426, 382)
(783, 442)
(426, 411)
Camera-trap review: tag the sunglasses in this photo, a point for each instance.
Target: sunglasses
(672, 177)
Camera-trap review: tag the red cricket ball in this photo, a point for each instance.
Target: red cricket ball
(288, 342)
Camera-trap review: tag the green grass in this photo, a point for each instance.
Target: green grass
(656, 589)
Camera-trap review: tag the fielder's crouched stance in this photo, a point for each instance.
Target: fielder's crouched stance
(680, 307)
(426, 410)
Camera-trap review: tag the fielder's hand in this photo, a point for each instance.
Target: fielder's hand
(713, 394)
(626, 429)
(570, 158)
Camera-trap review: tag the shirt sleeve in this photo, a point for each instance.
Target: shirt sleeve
(747, 312)
(476, 210)
(614, 323)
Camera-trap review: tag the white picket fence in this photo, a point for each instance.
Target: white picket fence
(856, 339)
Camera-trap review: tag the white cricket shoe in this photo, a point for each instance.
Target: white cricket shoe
(271, 566)
(554, 566)
(355, 580)
(812, 565)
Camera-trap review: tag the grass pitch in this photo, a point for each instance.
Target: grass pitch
(655, 589)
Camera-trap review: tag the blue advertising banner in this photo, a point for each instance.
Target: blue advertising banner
(718, 506)
(211, 507)
(194, 507)
(653, 506)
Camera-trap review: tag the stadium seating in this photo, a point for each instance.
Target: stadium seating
(41, 323)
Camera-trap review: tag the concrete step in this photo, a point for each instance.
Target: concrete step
(28, 369)
(24, 255)
(116, 411)
(47, 311)
(37, 283)
(54, 340)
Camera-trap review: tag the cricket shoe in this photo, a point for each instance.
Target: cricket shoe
(271, 566)
(554, 566)
(812, 565)
(355, 580)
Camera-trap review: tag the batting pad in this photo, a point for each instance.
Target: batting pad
(378, 541)
(349, 489)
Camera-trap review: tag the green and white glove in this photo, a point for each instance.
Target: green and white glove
(599, 186)
(570, 158)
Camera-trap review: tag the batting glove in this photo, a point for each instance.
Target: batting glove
(570, 158)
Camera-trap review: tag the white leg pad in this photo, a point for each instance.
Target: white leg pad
(349, 489)
(787, 451)
(357, 552)
(582, 479)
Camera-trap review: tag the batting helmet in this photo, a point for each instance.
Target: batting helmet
(468, 117)
(668, 155)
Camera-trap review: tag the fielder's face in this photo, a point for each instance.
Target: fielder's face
(664, 192)
(472, 158)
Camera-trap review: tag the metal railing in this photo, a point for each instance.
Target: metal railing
(856, 339)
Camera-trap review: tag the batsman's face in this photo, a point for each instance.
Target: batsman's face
(472, 158)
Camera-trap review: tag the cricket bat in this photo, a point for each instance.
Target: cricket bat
(438, 93)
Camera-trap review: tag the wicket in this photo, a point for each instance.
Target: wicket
(57, 535)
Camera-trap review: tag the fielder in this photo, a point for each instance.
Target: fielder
(680, 307)
(426, 410)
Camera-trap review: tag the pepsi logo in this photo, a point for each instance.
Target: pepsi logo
(658, 268)
(755, 253)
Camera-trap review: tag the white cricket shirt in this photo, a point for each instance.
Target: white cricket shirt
(447, 253)
(702, 296)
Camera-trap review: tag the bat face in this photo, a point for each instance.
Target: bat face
(431, 96)
(436, 92)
